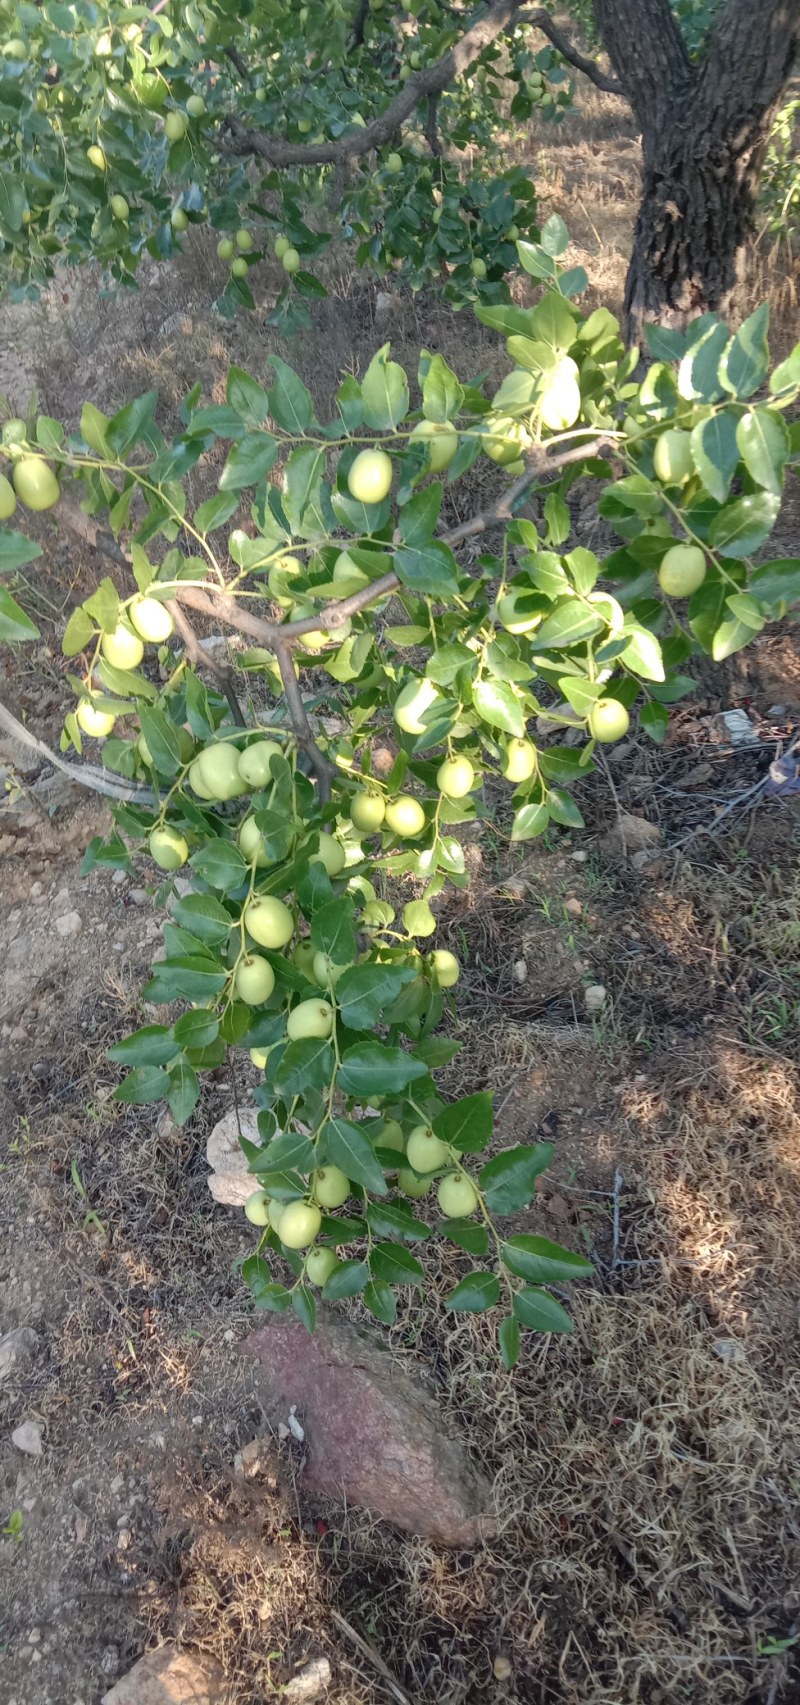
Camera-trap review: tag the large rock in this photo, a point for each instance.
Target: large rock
(229, 1180)
(170, 1677)
(375, 1436)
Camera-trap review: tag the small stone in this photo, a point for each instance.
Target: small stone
(579, 856)
(36, 890)
(34, 1636)
(138, 896)
(109, 1662)
(309, 1682)
(16, 1348)
(501, 1668)
(117, 1484)
(594, 997)
(69, 923)
(36, 1656)
(574, 907)
(119, 877)
(170, 1677)
(124, 1538)
(520, 971)
(28, 1438)
(81, 1527)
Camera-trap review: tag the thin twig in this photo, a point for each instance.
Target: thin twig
(750, 795)
(84, 775)
(617, 1194)
(566, 47)
(371, 1655)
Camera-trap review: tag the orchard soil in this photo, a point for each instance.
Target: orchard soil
(645, 1469)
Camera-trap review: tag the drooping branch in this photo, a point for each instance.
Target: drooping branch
(429, 81)
(564, 45)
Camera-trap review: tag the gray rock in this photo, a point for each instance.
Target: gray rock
(170, 1677)
(310, 1682)
(594, 998)
(375, 1437)
(16, 1349)
(229, 1180)
(28, 1438)
(69, 924)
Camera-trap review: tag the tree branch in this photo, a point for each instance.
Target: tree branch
(359, 24)
(202, 659)
(431, 126)
(429, 81)
(749, 58)
(298, 717)
(566, 47)
(84, 775)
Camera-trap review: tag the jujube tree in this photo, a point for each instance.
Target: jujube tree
(321, 544)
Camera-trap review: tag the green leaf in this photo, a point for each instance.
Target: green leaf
(384, 390)
(467, 1234)
(467, 1124)
(715, 454)
(162, 740)
(257, 1276)
(131, 423)
(442, 393)
(732, 635)
(16, 550)
(745, 363)
(349, 403)
(153, 1045)
(396, 1265)
(220, 863)
(786, 376)
(654, 719)
(429, 569)
(188, 977)
(347, 1280)
(15, 626)
(305, 1307)
(247, 397)
(477, 1292)
(289, 401)
(764, 446)
(540, 1312)
(332, 930)
(570, 622)
(497, 704)
(143, 1085)
(94, 426)
(364, 992)
(204, 916)
(215, 511)
(542, 1262)
(372, 1068)
(396, 1220)
(77, 633)
(184, 1091)
(742, 526)
(289, 1151)
(642, 655)
(554, 236)
(563, 809)
(103, 605)
(349, 1147)
(249, 461)
(418, 517)
(529, 821)
(381, 1301)
(777, 584)
(196, 1029)
(13, 200)
(698, 374)
(553, 323)
(308, 1064)
(508, 1338)
(509, 1181)
(558, 519)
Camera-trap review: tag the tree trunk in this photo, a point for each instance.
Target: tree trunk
(704, 131)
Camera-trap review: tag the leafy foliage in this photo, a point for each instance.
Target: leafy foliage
(288, 943)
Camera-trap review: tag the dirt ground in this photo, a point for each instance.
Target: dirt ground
(644, 1470)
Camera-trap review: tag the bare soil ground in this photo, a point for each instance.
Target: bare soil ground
(645, 1470)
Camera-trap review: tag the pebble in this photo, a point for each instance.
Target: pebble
(574, 907)
(520, 971)
(109, 1662)
(501, 1668)
(117, 1484)
(70, 923)
(594, 997)
(28, 1438)
(579, 856)
(309, 1682)
(138, 896)
(16, 1348)
(119, 877)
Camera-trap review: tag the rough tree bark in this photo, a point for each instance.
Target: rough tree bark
(704, 130)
